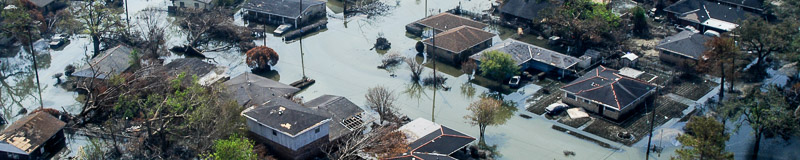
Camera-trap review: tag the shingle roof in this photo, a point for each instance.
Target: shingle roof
(707, 13)
(284, 8)
(113, 62)
(190, 66)
(445, 21)
(249, 88)
(41, 3)
(604, 85)
(31, 131)
(431, 140)
(459, 39)
(686, 43)
(754, 4)
(285, 116)
(528, 9)
(339, 109)
(523, 52)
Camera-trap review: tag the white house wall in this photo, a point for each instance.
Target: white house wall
(287, 141)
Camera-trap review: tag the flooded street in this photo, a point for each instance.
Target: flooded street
(341, 61)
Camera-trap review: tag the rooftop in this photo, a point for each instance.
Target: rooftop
(606, 86)
(41, 3)
(711, 14)
(284, 8)
(285, 116)
(112, 62)
(206, 73)
(523, 52)
(445, 21)
(528, 9)
(459, 39)
(346, 116)
(685, 43)
(31, 131)
(252, 89)
(430, 140)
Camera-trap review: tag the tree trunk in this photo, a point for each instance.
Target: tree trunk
(758, 144)
(481, 142)
(96, 45)
(722, 82)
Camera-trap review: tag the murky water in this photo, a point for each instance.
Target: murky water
(341, 61)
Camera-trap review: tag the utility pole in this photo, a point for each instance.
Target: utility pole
(35, 67)
(302, 60)
(433, 57)
(127, 18)
(652, 124)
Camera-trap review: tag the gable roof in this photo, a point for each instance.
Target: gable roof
(284, 8)
(249, 88)
(444, 21)
(31, 131)
(113, 62)
(459, 39)
(285, 116)
(429, 140)
(606, 86)
(41, 3)
(345, 114)
(206, 73)
(711, 14)
(752, 4)
(523, 52)
(528, 9)
(686, 43)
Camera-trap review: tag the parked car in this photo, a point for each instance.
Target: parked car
(282, 29)
(58, 40)
(555, 108)
(514, 82)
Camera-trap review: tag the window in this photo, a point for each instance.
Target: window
(586, 100)
(571, 96)
(182, 5)
(274, 133)
(316, 130)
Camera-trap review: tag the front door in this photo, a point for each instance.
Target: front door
(601, 108)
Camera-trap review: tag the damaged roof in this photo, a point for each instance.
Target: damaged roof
(442, 21)
(249, 88)
(31, 131)
(686, 43)
(523, 52)
(113, 62)
(285, 116)
(283, 8)
(345, 114)
(606, 86)
(459, 39)
(711, 14)
(428, 140)
(206, 73)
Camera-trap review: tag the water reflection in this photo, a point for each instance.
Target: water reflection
(18, 84)
(468, 90)
(271, 74)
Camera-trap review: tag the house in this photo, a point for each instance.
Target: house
(629, 59)
(756, 6)
(34, 136)
(251, 89)
(457, 44)
(525, 11)
(605, 92)
(443, 22)
(346, 116)
(207, 74)
(193, 4)
(430, 141)
(112, 62)
(528, 56)
(682, 47)
(285, 11)
(289, 129)
(705, 15)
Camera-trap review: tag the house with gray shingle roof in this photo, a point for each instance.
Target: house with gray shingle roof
(112, 62)
(529, 56)
(431, 141)
(706, 15)
(606, 92)
(682, 47)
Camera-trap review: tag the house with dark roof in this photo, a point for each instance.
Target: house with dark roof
(430, 141)
(529, 56)
(250, 89)
(682, 47)
(207, 74)
(706, 15)
(457, 44)
(756, 6)
(193, 4)
(442, 22)
(526, 11)
(35, 136)
(295, 12)
(288, 128)
(606, 92)
(112, 62)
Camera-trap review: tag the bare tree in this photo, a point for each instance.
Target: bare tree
(484, 114)
(214, 26)
(152, 30)
(469, 67)
(416, 69)
(381, 142)
(99, 21)
(382, 101)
